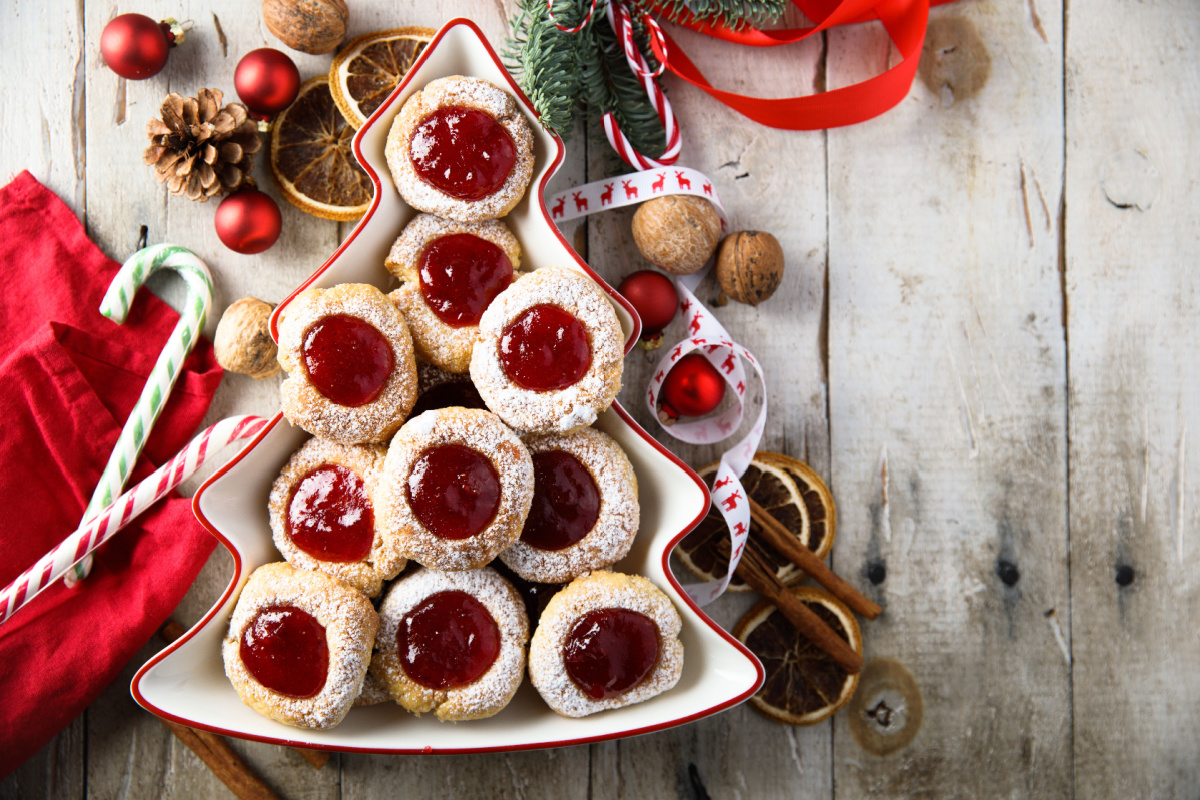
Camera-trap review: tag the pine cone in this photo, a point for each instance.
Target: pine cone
(199, 148)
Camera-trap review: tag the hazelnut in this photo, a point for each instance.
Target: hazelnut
(750, 266)
(677, 233)
(243, 343)
(310, 26)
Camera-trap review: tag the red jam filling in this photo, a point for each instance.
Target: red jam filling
(461, 275)
(448, 395)
(347, 359)
(545, 349)
(284, 649)
(454, 491)
(566, 502)
(610, 651)
(330, 516)
(449, 639)
(463, 152)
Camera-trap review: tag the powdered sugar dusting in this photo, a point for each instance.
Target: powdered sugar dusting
(373, 692)
(496, 687)
(350, 626)
(555, 411)
(457, 90)
(404, 257)
(306, 407)
(617, 524)
(384, 561)
(593, 592)
(483, 432)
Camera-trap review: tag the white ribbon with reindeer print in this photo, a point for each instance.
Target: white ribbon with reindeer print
(705, 334)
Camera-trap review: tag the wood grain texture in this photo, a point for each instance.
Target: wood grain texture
(1134, 314)
(947, 375)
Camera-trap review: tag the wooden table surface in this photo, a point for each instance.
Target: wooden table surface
(984, 340)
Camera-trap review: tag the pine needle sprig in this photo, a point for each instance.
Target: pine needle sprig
(734, 13)
(546, 61)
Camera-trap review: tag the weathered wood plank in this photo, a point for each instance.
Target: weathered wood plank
(41, 106)
(1134, 310)
(774, 181)
(947, 370)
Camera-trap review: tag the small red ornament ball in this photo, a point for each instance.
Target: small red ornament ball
(692, 388)
(248, 221)
(267, 81)
(135, 46)
(653, 296)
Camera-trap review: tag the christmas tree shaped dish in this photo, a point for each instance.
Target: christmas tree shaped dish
(186, 682)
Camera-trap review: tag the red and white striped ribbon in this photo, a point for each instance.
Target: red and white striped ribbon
(577, 28)
(618, 17)
(99, 529)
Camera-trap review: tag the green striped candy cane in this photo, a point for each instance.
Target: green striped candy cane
(117, 300)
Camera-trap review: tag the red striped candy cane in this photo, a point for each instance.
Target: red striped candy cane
(100, 528)
(618, 17)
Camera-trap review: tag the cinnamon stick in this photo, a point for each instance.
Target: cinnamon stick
(317, 758)
(224, 762)
(762, 580)
(782, 540)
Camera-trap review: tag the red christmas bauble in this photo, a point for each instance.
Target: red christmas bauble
(692, 388)
(653, 296)
(248, 221)
(267, 81)
(135, 46)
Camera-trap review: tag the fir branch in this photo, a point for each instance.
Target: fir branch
(545, 61)
(612, 86)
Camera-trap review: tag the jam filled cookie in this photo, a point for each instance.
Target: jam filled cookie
(352, 376)
(456, 488)
(607, 640)
(322, 512)
(460, 148)
(585, 507)
(451, 271)
(550, 353)
(452, 643)
(298, 645)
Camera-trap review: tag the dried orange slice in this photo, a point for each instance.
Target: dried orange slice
(367, 69)
(803, 685)
(787, 489)
(312, 160)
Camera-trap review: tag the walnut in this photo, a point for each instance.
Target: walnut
(750, 266)
(243, 343)
(310, 26)
(677, 233)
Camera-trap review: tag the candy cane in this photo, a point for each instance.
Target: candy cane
(117, 300)
(622, 25)
(101, 528)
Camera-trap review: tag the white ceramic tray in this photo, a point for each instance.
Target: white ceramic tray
(186, 682)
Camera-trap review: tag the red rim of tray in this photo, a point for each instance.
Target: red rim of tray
(135, 687)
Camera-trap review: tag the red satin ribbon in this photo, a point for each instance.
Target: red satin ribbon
(904, 20)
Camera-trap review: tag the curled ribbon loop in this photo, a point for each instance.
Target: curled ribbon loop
(587, 18)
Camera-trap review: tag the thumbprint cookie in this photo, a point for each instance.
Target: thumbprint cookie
(323, 514)
(585, 507)
(550, 352)
(452, 643)
(457, 484)
(352, 376)
(606, 641)
(461, 148)
(298, 645)
(451, 271)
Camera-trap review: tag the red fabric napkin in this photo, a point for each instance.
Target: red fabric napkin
(68, 379)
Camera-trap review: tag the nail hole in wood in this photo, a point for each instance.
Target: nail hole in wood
(1008, 572)
(877, 572)
(1124, 575)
